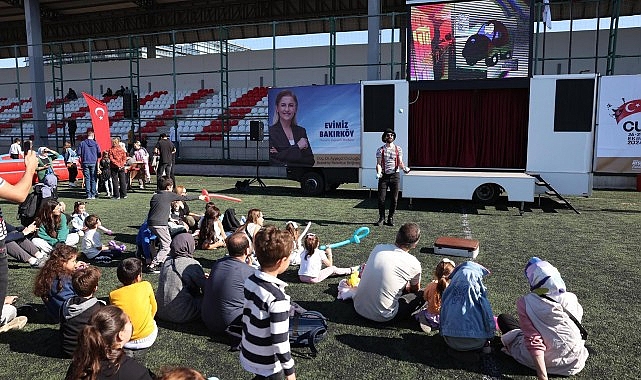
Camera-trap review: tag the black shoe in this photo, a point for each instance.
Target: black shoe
(152, 268)
(390, 221)
(380, 221)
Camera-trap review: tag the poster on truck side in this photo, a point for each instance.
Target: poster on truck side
(618, 147)
(315, 126)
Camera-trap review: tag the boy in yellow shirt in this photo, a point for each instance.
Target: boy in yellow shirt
(136, 298)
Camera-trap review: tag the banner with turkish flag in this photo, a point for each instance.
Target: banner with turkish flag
(100, 121)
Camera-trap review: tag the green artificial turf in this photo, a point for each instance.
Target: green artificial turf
(595, 251)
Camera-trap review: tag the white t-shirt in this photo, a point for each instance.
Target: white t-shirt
(386, 273)
(311, 265)
(91, 243)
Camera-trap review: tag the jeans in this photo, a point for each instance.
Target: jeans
(390, 181)
(89, 172)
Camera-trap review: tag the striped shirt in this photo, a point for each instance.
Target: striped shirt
(265, 340)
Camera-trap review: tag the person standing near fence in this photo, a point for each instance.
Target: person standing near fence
(165, 149)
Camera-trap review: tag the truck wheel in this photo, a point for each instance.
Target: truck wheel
(492, 60)
(312, 183)
(486, 193)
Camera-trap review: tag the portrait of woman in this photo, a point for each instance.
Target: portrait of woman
(288, 142)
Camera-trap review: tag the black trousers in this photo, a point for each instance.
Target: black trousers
(73, 172)
(120, 182)
(407, 304)
(507, 323)
(391, 182)
(4, 271)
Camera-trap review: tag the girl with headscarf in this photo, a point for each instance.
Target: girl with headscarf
(181, 283)
(467, 322)
(545, 338)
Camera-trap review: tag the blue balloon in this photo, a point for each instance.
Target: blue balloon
(356, 238)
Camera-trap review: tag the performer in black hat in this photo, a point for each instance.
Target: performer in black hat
(389, 159)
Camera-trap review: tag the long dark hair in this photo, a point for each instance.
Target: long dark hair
(207, 232)
(311, 242)
(53, 269)
(45, 217)
(98, 341)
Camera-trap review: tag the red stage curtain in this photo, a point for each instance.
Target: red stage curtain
(469, 128)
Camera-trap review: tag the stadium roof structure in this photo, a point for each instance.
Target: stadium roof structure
(110, 22)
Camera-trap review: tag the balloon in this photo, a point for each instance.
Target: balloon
(359, 234)
(208, 196)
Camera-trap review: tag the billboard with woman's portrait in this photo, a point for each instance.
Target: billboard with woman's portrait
(315, 125)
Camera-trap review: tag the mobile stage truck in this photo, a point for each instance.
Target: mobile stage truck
(344, 136)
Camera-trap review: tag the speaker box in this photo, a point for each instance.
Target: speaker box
(256, 132)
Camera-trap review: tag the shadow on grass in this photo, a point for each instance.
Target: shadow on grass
(42, 342)
(196, 327)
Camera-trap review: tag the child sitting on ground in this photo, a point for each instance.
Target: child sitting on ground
(266, 310)
(136, 298)
(428, 317)
(293, 228)
(77, 310)
(78, 219)
(312, 260)
(92, 246)
(53, 281)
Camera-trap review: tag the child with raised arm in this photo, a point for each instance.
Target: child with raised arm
(312, 260)
(77, 310)
(136, 298)
(265, 349)
(429, 316)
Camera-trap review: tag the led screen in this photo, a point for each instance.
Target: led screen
(475, 39)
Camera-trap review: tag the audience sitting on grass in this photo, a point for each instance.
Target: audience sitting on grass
(52, 227)
(294, 229)
(312, 260)
(429, 316)
(157, 218)
(266, 310)
(53, 282)
(181, 282)
(78, 310)
(253, 223)
(212, 233)
(136, 298)
(467, 322)
(78, 219)
(390, 282)
(21, 248)
(222, 308)
(100, 353)
(545, 337)
(92, 246)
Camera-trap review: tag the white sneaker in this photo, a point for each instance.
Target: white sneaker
(16, 323)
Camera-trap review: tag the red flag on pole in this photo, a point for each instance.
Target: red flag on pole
(100, 121)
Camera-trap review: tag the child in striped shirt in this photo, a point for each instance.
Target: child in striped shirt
(265, 339)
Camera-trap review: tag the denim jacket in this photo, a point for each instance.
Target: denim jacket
(465, 309)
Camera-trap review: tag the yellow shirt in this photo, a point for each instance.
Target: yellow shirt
(139, 303)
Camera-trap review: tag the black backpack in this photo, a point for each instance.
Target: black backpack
(230, 221)
(27, 210)
(307, 329)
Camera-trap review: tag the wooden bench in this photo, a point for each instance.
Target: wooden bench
(453, 246)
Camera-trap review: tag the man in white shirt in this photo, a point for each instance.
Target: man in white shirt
(390, 283)
(15, 150)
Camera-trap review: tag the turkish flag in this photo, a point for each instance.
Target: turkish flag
(100, 121)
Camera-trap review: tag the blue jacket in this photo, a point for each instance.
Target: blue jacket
(57, 298)
(465, 309)
(89, 151)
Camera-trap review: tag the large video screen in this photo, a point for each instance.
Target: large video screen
(474, 39)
